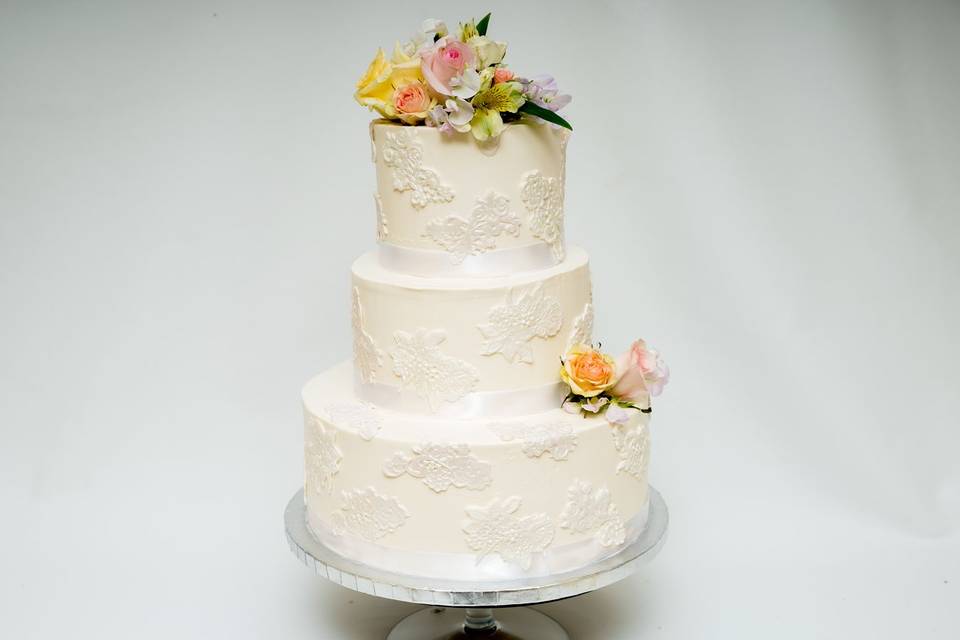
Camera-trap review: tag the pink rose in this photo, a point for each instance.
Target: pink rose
(643, 373)
(502, 74)
(444, 61)
(411, 98)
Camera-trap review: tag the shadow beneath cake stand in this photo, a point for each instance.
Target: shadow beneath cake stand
(492, 610)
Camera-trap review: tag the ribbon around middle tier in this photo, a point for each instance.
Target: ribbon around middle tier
(499, 262)
(479, 404)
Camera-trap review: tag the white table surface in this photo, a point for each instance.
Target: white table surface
(769, 194)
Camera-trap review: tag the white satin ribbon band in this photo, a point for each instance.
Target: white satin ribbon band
(427, 262)
(467, 566)
(481, 404)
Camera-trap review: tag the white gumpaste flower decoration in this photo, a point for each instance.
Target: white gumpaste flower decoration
(496, 528)
(323, 457)
(368, 514)
(543, 198)
(475, 235)
(367, 356)
(433, 375)
(441, 466)
(362, 417)
(588, 509)
(527, 314)
(555, 438)
(402, 153)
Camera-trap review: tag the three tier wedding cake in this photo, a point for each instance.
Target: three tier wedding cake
(477, 432)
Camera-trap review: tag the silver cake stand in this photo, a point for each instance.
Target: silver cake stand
(466, 609)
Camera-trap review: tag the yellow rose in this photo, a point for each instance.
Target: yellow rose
(378, 85)
(587, 371)
(375, 70)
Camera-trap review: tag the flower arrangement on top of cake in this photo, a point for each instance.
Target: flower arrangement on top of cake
(615, 387)
(456, 82)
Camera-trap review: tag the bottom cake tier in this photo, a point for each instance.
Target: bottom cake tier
(471, 499)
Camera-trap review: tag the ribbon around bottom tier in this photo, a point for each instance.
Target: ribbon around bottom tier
(499, 262)
(479, 404)
(471, 567)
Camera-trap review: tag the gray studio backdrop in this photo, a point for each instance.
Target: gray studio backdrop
(769, 191)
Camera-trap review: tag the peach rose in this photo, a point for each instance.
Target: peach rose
(412, 98)
(587, 371)
(643, 374)
(502, 74)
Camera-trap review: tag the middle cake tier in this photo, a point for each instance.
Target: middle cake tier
(471, 346)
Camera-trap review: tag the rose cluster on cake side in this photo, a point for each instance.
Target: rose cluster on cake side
(615, 387)
(456, 82)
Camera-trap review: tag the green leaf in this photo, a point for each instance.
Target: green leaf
(544, 114)
(483, 24)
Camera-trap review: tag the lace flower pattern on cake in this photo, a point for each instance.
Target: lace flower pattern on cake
(367, 356)
(527, 314)
(403, 154)
(555, 438)
(633, 445)
(362, 417)
(496, 528)
(367, 514)
(435, 376)
(582, 331)
(475, 235)
(441, 466)
(382, 229)
(588, 509)
(543, 198)
(323, 457)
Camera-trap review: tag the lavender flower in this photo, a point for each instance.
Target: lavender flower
(543, 92)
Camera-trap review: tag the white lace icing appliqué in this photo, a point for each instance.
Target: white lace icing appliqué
(555, 438)
(441, 466)
(588, 509)
(322, 455)
(382, 229)
(543, 198)
(582, 331)
(367, 356)
(463, 237)
(526, 314)
(435, 376)
(367, 514)
(403, 154)
(564, 139)
(496, 528)
(360, 416)
(633, 445)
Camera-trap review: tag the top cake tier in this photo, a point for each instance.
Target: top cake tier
(450, 206)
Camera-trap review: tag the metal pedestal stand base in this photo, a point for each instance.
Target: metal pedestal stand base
(471, 614)
(518, 623)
